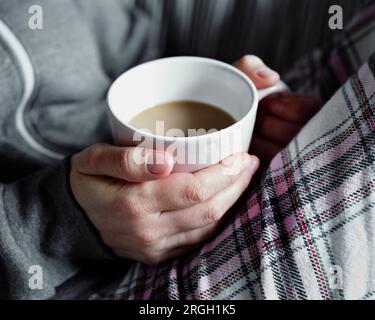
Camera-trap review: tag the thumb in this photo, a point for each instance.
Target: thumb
(133, 164)
(257, 71)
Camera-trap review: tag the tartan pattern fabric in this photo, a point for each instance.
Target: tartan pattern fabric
(321, 73)
(308, 229)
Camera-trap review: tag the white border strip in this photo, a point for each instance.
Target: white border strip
(27, 71)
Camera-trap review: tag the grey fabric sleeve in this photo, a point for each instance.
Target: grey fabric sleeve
(42, 225)
(83, 44)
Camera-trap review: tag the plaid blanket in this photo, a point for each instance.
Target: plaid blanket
(307, 231)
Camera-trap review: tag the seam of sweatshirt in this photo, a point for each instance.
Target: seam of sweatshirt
(28, 78)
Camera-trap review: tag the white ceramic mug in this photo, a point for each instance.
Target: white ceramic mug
(194, 79)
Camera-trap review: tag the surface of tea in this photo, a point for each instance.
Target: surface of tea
(183, 115)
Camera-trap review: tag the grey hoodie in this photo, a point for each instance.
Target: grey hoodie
(53, 85)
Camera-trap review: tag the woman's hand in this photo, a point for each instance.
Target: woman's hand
(280, 116)
(145, 213)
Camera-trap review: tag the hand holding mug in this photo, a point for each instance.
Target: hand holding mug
(145, 212)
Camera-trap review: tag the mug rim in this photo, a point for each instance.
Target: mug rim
(214, 62)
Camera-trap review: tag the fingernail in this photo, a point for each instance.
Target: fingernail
(249, 163)
(265, 73)
(156, 162)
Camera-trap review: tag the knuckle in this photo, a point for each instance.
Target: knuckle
(212, 214)
(146, 237)
(128, 206)
(195, 192)
(125, 163)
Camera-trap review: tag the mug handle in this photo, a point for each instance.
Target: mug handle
(278, 87)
